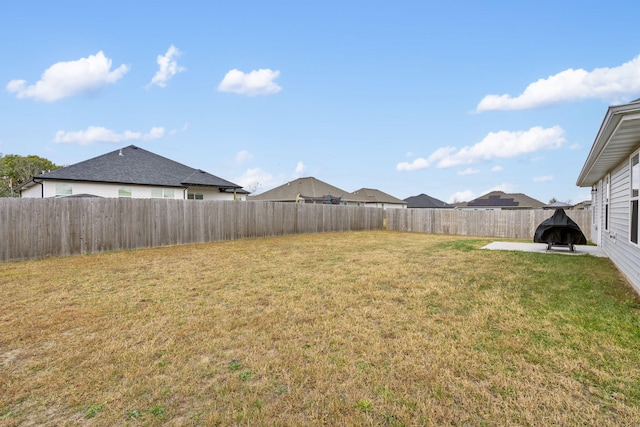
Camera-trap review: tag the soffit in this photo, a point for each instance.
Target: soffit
(617, 139)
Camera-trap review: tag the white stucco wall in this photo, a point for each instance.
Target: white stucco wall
(386, 205)
(112, 190)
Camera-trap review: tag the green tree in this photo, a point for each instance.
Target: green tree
(15, 170)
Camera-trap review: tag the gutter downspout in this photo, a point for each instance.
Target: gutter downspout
(41, 188)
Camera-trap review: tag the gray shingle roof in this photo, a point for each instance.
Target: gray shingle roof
(134, 165)
(425, 201)
(376, 196)
(501, 199)
(309, 187)
(556, 205)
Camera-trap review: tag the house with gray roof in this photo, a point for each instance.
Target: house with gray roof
(499, 200)
(310, 190)
(612, 170)
(135, 173)
(558, 205)
(379, 199)
(423, 201)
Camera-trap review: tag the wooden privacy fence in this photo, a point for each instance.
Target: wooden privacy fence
(516, 224)
(38, 228)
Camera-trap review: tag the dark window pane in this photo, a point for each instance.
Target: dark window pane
(634, 221)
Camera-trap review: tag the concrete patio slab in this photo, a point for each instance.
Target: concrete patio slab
(542, 248)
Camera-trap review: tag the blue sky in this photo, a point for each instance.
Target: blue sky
(451, 99)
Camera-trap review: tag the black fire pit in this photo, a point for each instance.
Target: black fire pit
(559, 230)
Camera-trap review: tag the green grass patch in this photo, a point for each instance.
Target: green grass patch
(359, 328)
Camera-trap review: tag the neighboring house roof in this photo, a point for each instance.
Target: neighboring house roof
(309, 187)
(134, 165)
(500, 199)
(615, 141)
(558, 205)
(376, 196)
(425, 201)
(79, 196)
(586, 204)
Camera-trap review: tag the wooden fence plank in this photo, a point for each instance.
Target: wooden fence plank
(38, 228)
(516, 224)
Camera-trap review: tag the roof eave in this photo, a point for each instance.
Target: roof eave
(97, 181)
(612, 144)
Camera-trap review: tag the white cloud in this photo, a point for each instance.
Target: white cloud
(65, 79)
(497, 169)
(575, 147)
(582, 196)
(507, 188)
(255, 179)
(469, 171)
(168, 67)
(243, 156)
(571, 85)
(257, 82)
(182, 129)
(422, 163)
(502, 144)
(300, 168)
(95, 134)
(461, 196)
(419, 163)
(506, 144)
(543, 178)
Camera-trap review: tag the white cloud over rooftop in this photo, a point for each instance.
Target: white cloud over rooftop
(95, 134)
(256, 82)
(469, 171)
(64, 79)
(543, 178)
(502, 144)
(461, 196)
(571, 85)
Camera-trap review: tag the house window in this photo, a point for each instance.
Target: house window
(162, 193)
(195, 196)
(606, 195)
(124, 192)
(64, 189)
(635, 193)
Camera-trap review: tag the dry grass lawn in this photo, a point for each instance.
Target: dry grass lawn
(362, 328)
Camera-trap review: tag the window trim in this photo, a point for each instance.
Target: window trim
(162, 193)
(122, 192)
(634, 199)
(66, 186)
(607, 202)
